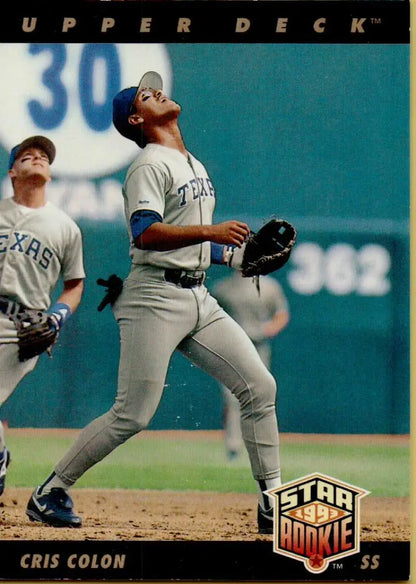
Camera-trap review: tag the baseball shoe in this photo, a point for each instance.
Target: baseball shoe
(265, 520)
(4, 463)
(54, 508)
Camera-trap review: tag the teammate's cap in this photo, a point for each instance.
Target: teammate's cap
(33, 142)
(124, 100)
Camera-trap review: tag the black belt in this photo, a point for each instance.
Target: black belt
(10, 307)
(185, 279)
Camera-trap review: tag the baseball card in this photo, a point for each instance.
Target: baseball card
(205, 291)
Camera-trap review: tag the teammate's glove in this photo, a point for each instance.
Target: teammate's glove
(114, 287)
(37, 331)
(265, 251)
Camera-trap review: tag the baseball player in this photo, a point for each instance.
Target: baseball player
(39, 244)
(262, 316)
(164, 305)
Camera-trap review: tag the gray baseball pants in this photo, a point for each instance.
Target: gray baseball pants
(156, 318)
(233, 438)
(12, 371)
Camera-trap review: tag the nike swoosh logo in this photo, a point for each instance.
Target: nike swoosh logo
(38, 505)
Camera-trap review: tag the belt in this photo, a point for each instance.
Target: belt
(10, 307)
(185, 279)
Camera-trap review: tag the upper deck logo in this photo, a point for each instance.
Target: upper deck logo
(316, 520)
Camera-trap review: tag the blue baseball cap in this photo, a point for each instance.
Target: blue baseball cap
(124, 100)
(33, 142)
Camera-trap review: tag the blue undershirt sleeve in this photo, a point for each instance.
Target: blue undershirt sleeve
(141, 220)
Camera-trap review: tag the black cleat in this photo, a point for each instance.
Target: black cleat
(54, 508)
(265, 520)
(4, 463)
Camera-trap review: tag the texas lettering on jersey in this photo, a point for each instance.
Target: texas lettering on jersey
(195, 188)
(24, 243)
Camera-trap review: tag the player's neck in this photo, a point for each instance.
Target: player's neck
(169, 136)
(33, 197)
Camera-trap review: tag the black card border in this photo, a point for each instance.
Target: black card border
(236, 561)
(386, 21)
(189, 560)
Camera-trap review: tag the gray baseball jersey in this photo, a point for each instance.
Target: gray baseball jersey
(241, 299)
(179, 189)
(37, 247)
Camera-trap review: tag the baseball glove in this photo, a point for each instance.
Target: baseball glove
(114, 286)
(269, 249)
(36, 333)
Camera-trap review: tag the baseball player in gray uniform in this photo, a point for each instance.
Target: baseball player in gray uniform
(262, 316)
(39, 244)
(164, 306)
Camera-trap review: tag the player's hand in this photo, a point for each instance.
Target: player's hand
(230, 233)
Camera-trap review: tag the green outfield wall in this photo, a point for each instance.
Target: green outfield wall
(318, 134)
(342, 364)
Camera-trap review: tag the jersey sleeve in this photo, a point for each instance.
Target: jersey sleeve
(145, 189)
(73, 262)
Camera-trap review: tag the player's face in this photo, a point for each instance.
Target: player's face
(154, 107)
(31, 163)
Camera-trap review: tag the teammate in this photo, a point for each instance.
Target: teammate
(164, 305)
(262, 316)
(39, 244)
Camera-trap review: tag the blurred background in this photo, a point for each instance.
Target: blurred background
(316, 134)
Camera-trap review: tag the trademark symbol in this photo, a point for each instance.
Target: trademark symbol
(375, 20)
(337, 566)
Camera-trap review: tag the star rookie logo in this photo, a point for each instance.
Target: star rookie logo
(316, 520)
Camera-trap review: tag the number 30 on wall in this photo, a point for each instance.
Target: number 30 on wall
(66, 91)
(340, 269)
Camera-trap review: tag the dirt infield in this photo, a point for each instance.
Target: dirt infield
(191, 515)
(166, 515)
